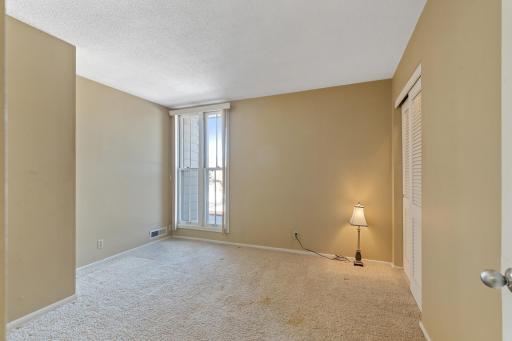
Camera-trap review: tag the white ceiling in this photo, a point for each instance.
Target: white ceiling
(185, 52)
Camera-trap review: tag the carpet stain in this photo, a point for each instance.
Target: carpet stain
(295, 321)
(244, 304)
(265, 301)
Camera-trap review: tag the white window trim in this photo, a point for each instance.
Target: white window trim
(224, 107)
(208, 228)
(200, 109)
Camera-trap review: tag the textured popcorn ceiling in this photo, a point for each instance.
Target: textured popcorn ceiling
(184, 52)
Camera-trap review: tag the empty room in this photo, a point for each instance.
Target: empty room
(256, 170)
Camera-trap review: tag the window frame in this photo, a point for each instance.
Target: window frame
(206, 167)
(203, 170)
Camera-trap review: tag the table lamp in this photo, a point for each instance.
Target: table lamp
(358, 220)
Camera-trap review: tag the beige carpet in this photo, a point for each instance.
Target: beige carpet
(188, 290)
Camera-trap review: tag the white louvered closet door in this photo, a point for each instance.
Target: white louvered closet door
(406, 174)
(412, 169)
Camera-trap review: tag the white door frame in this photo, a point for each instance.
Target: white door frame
(506, 161)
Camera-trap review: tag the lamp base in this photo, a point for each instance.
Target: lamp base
(358, 261)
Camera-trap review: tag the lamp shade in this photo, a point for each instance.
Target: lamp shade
(358, 218)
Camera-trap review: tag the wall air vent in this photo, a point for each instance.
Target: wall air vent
(158, 232)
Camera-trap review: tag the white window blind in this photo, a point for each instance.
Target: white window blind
(189, 169)
(201, 158)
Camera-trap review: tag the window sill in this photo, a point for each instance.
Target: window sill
(201, 228)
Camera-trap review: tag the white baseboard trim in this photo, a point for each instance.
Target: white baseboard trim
(24, 319)
(164, 237)
(270, 248)
(424, 330)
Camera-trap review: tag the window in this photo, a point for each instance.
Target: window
(201, 169)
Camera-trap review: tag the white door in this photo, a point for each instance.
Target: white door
(494, 278)
(506, 128)
(412, 169)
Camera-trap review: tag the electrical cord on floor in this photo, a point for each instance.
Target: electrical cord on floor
(336, 257)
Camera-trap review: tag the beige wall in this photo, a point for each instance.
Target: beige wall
(458, 44)
(299, 162)
(41, 168)
(123, 186)
(2, 175)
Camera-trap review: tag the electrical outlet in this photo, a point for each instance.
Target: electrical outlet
(296, 234)
(99, 244)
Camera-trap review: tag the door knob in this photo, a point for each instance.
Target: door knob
(494, 279)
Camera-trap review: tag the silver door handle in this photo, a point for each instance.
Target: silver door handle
(494, 279)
